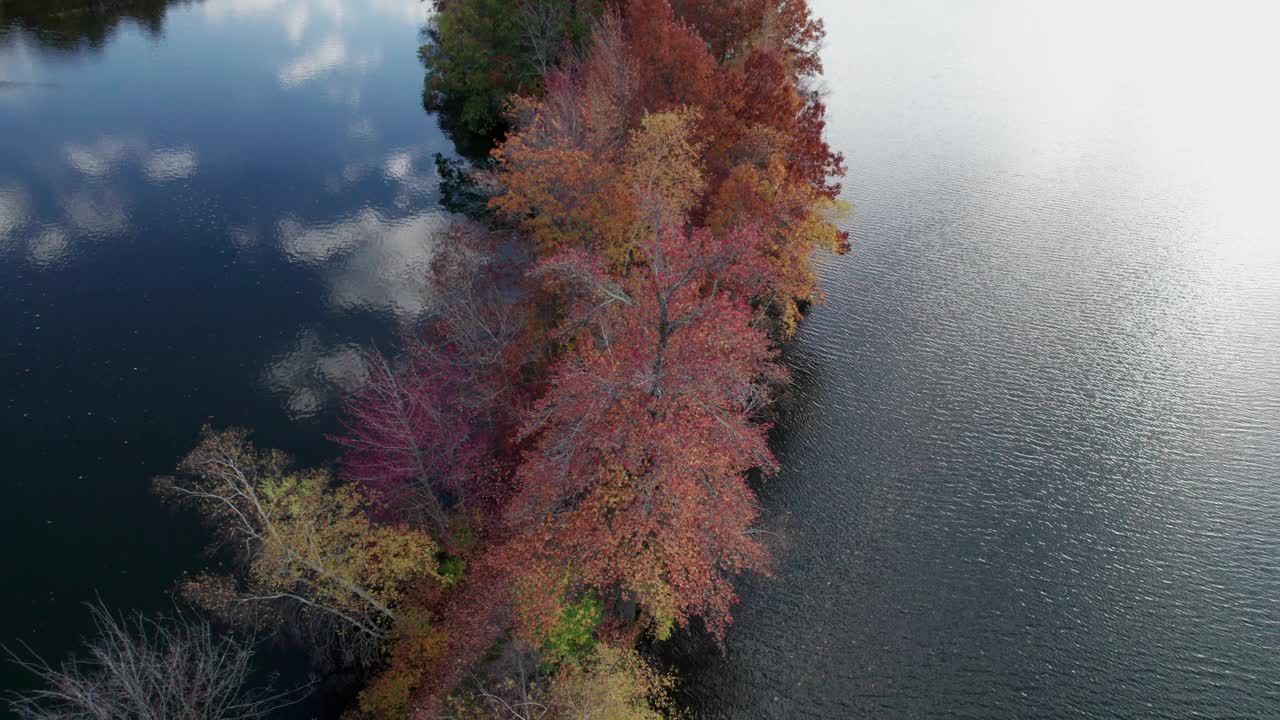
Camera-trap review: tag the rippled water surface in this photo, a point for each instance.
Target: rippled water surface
(1034, 464)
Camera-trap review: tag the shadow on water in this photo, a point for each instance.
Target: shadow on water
(692, 653)
(76, 26)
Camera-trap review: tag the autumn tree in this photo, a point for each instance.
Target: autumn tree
(671, 178)
(570, 191)
(429, 657)
(674, 67)
(407, 438)
(484, 51)
(732, 28)
(738, 145)
(421, 433)
(763, 113)
(305, 548)
(568, 172)
(614, 683)
(606, 81)
(641, 444)
(559, 169)
(771, 169)
(662, 175)
(480, 314)
(794, 223)
(415, 648)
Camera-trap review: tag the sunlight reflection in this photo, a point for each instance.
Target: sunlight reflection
(399, 165)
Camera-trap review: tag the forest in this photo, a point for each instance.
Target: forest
(554, 473)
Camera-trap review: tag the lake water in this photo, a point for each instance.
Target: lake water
(1034, 465)
(1033, 462)
(203, 217)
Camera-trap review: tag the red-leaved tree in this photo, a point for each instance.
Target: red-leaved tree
(672, 64)
(732, 27)
(636, 479)
(422, 432)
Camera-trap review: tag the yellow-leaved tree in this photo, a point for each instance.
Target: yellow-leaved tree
(306, 550)
(615, 684)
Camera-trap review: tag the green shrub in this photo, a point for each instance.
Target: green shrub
(572, 639)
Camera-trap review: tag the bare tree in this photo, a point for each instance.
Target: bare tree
(142, 669)
(543, 23)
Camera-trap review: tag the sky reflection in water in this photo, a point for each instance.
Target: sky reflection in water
(276, 130)
(204, 218)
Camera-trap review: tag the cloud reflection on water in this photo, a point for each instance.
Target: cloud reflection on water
(324, 58)
(92, 203)
(15, 205)
(144, 184)
(97, 211)
(170, 164)
(370, 261)
(109, 152)
(368, 243)
(314, 373)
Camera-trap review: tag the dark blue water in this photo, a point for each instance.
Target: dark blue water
(203, 217)
(1033, 462)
